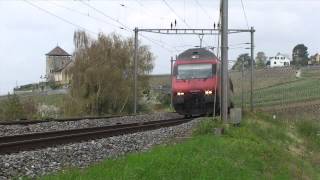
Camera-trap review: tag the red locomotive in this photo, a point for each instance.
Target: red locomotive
(196, 82)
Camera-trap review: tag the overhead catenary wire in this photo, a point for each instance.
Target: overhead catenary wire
(183, 20)
(245, 14)
(61, 18)
(127, 28)
(85, 14)
(145, 8)
(150, 14)
(107, 16)
(203, 9)
(179, 17)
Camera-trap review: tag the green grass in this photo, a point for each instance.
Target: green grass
(310, 130)
(260, 149)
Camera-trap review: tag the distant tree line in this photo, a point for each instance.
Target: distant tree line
(300, 57)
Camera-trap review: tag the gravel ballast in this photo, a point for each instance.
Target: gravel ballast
(10, 130)
(44, 161)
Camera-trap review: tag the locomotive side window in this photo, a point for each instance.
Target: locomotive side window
(195, 71)
(175, 71)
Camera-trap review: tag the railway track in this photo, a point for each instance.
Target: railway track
(17, 143)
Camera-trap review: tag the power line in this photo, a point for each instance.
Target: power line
(62, 19)
(158, 43)
(244, 13)
(203, 9)
(125, 27)
(145, 9)
(183, 20)
(143, 6)
(86, 15)
(104, 14)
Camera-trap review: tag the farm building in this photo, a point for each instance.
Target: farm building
(315, 59)
(280, 60)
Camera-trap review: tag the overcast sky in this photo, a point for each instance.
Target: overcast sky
(28, 32)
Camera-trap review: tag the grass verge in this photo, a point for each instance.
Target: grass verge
(262, 148)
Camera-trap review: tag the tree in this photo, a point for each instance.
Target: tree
(12, 108)
(300, 55)
(245, 58)
(102, 75)
(261, 60)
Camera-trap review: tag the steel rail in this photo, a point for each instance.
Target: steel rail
(17, 143)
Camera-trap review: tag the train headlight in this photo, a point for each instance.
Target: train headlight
(208, 92)
(180, 93)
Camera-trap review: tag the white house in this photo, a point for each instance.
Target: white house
(280, 60)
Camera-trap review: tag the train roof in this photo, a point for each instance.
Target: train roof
(196, 54)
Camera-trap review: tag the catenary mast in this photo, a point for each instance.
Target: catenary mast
(224, 58)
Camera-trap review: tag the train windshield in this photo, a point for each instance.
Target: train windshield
(195, 71)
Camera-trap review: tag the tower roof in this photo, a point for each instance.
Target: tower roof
(58, 51)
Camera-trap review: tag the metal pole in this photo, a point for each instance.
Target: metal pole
(242, 86)
(135, 61)
(224, 57)
(201, 39)
(171, 95)
(252, 68)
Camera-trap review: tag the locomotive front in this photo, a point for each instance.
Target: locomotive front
(195, 82)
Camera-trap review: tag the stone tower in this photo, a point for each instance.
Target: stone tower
(56, 60)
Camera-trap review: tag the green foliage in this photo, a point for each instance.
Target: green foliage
(300, 55)
(207, 126)
(30, 108)
(261, 60)
(243, 58)
(102, 77)
(12, 108)
(54, 85)
(164, 99)
(27, 87)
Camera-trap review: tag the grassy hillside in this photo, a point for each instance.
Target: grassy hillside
(281, 87)
(305, 89)
(263, 78)
(262, 148)
(162, 79)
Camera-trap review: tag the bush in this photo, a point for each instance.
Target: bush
(12, 108)
(206, 126)
(164, 99)
(30, 109)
